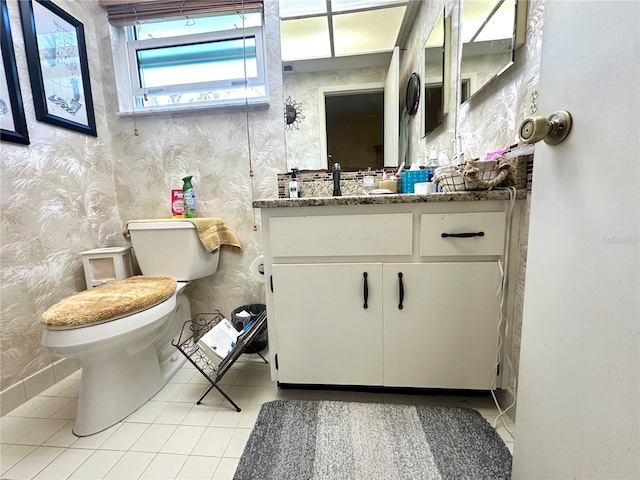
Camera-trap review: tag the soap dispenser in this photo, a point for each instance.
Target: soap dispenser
(189, 198)
(293, 184)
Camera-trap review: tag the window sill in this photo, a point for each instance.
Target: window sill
(235, 103)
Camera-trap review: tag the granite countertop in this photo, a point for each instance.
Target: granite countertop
(466, 196)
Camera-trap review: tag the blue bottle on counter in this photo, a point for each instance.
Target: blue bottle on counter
(430, 174)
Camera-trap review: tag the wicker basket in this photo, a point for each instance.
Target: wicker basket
(457, 178)
(487, 172)
(449, 179)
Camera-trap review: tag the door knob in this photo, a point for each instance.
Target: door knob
(552, 130)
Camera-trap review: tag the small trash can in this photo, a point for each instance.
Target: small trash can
(260, 341)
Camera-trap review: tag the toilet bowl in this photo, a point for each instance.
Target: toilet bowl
(127, 360)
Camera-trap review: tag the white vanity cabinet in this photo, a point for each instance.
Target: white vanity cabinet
(324, 263)
(325, 335)
(446, 334)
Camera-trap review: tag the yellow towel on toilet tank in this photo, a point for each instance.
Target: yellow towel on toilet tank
(213, 232)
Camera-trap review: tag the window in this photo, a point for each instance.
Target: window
(194, 62)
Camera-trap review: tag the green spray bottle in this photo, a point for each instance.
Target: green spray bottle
(189, 198)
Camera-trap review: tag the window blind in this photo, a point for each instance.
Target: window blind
(128, 12)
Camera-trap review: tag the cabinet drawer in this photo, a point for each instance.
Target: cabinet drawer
(342, 235)
(489, 226)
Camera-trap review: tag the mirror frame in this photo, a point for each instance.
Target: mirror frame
(517, 41)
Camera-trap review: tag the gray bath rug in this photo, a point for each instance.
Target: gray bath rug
(305, 440)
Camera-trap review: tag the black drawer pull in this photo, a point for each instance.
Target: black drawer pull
(463, 235)
(366, 290)
(401, 290)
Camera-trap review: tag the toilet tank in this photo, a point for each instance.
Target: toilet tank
(171, 249)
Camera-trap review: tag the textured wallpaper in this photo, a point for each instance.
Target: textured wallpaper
(57, 199)
(441, 139)
(490, 120)
(67, 192)
(216, 147)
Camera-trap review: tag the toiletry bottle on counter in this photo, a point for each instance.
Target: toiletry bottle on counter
(433, 157)
(368, 182)
(189, 198)
(293, 184)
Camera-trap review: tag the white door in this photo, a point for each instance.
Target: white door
(579, 391)
(325, 334)
(392, 111)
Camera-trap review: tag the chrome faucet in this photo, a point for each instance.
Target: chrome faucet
(336, 178)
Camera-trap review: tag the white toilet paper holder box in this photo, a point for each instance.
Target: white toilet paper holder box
(104, 265)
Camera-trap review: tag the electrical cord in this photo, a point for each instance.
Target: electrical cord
(136, 34)
(246, 111)
(500, 295)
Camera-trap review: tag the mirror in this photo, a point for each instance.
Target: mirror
(382, 25)
(491, 31)
(436, 74)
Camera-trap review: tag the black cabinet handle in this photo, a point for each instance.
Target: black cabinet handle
(401, 290)
(463, 235)
(366, 290)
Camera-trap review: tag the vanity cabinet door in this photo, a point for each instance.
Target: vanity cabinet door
(446, 333)
(325, 334)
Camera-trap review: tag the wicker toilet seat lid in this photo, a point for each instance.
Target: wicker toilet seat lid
(110, 301)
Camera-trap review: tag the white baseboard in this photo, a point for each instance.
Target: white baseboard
(20, 392)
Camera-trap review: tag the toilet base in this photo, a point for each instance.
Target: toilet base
(114, 384)
(107, 397)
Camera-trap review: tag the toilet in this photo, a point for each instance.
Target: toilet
(125, 361)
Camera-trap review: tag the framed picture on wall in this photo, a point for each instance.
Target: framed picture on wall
(13, 125)
(58, 66)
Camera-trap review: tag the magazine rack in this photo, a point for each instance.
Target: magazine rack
(187, 343)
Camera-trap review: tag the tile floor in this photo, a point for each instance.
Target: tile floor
(170, 437)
